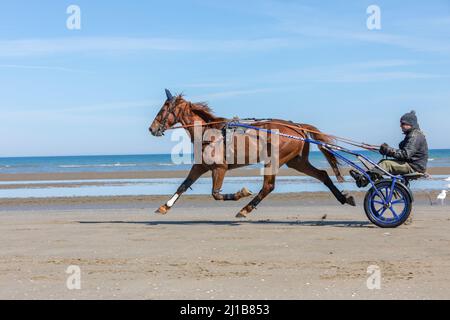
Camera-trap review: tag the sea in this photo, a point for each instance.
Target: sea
(164, 162)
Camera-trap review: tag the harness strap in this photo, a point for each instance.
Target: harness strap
(295, 127)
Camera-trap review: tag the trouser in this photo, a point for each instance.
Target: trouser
(396, 167)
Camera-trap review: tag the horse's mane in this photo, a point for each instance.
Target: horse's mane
(203, 110)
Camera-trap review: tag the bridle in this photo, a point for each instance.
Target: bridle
(162, 124)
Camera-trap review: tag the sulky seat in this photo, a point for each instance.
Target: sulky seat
(416, 176)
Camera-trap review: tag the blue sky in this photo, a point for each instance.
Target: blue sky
(96, 90)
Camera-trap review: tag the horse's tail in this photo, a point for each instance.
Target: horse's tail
(315, 133)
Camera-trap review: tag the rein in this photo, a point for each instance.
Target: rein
(257, 122)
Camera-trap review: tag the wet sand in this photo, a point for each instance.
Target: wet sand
(153, 201)
(162, 174)
(294, 246)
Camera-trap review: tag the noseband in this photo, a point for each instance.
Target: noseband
(171, 109)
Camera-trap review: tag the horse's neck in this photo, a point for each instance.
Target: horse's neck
(191, 118)
(189, 123)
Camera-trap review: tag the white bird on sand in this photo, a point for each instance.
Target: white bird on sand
(441, 196)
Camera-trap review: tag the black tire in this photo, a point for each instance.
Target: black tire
(402, 197)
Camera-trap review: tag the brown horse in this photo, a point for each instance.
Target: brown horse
(293, 153)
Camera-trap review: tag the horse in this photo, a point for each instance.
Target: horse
(292, 152)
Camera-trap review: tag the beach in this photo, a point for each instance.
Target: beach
(295, 246)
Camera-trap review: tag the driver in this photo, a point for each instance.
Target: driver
(411, 157)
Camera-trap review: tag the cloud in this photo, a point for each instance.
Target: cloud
(406, 42)
(357, 72)
(48, 68)
(360, 72)
(39, 47)
(414, 43)
(211, 84)
(325, 25)
(233, 93)
(109, 109)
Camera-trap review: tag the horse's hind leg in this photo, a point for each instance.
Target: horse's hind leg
(268, 187)
(303, 165)
(196, 172)
(218, 175)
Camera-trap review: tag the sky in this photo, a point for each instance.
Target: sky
(96, 90)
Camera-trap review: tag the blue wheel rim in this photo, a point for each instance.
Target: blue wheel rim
(391, 214)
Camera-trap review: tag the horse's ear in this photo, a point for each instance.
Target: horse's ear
(169, 95)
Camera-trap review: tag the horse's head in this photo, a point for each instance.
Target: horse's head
(167, 116)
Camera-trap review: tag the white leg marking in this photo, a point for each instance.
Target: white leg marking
(171, 202)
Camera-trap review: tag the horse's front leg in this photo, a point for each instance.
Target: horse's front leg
(268, 187)
(196, 172)
(218, 174)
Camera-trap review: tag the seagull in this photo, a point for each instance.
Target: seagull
(442, 196)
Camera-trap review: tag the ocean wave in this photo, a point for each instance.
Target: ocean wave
(97, 165)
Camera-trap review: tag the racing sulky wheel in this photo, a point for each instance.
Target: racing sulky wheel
(391, 206)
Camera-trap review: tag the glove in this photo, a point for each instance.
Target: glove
(384, 149)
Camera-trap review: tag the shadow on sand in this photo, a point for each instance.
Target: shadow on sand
(317, 223)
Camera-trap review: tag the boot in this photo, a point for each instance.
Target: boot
(375, 174)
(361, 180)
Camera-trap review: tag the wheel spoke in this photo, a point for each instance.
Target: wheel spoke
(386, 194)
(393, 212)
(380, 214)
(398, 201)
(390, 194)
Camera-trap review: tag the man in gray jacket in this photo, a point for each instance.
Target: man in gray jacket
(412, 155)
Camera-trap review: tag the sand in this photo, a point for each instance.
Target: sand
(285, 250)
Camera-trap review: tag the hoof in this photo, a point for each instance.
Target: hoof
(348, 199)
(245, 192)
(162, 210)
(242, 214)
(351, 201)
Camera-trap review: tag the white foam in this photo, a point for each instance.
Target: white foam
(97, 165)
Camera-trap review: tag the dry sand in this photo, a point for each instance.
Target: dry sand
(200, 251)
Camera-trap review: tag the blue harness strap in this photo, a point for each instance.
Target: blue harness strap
(242, 125)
